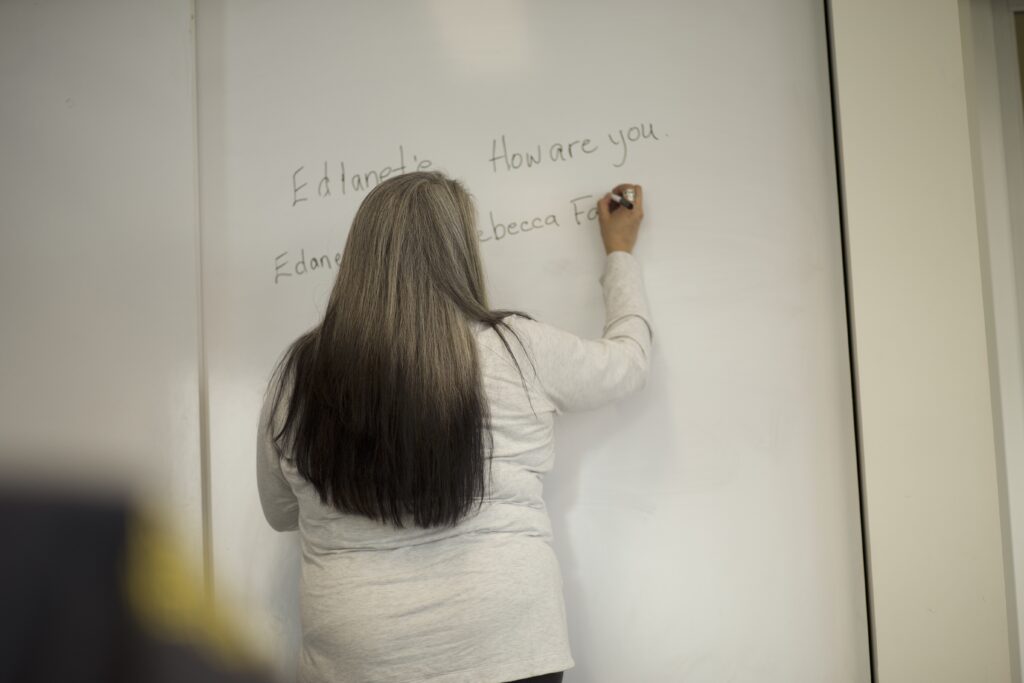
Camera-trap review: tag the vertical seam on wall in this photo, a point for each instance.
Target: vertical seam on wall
(851, 338)
(987, 286)
(1016, 66)
(204, 408)
(1000, 9)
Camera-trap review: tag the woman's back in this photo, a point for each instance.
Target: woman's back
(481, 600)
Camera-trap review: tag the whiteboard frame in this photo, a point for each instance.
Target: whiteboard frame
(851, 328)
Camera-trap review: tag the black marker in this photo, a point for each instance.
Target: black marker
(627, 198)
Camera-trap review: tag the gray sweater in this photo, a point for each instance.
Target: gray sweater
(480, 602)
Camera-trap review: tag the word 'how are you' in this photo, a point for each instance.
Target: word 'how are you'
(509, 158)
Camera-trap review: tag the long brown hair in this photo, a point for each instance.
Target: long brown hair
(386, 415)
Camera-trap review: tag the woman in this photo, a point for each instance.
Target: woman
(407, 435)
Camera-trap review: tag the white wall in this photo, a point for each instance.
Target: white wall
(98, 250)
(928, 438)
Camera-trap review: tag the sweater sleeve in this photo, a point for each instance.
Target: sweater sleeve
(580, 374)
(280, 506)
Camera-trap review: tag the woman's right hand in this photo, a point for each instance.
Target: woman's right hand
(619, 225)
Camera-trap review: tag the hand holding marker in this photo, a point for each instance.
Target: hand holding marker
(619, 213)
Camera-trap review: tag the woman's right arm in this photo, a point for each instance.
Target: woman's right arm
(579, 374)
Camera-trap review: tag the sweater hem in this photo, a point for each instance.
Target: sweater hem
(502, 673)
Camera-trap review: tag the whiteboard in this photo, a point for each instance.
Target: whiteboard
(708, 528)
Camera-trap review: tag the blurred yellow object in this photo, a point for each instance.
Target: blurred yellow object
(99, 591)
(167, 596)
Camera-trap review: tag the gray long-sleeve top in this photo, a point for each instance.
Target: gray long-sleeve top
(481, 601)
